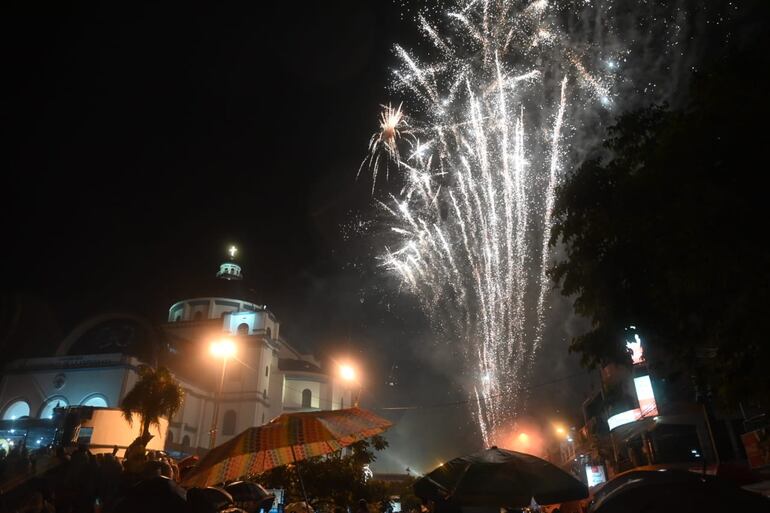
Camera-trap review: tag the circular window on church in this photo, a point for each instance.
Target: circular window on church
(59, 381)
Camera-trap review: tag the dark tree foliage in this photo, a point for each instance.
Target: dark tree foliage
(667, 230)
(157, 394)
(335, 479)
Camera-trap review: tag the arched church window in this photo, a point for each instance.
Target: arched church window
(307, 398)
(228, 423)
(95, 401)
(243, 329)
(342, 403)
(16, 410)
(267, 370)
(46, 412)
(186, 441)
(268, 333)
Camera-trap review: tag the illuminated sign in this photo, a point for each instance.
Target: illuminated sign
(647, 405)
(595, 475)
(635, 346)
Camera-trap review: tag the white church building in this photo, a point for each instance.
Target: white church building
(96, 365)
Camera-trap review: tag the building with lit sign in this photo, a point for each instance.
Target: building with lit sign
(647, 414)
(96, 365)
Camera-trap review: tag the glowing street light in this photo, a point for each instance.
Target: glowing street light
(224, 349)
(348, 373)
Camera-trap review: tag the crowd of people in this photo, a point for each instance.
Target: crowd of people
(80, 481)
(77, 480)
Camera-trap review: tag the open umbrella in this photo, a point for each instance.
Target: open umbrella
(675, 491)
(250, 496)
(156, 494)
(499, 478)
(286, 439)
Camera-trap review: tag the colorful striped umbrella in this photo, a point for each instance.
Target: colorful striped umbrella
(286, 439)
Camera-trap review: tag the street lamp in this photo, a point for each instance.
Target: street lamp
(224, 349)
(348, 373)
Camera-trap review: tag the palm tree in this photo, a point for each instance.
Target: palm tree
(157, 394)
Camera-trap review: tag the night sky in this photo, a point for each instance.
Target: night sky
(142, 142)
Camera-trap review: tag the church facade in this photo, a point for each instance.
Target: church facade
(97, 364)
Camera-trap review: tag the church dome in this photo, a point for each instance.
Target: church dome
(216, 295)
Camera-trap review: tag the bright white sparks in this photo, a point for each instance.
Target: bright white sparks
(489, 122)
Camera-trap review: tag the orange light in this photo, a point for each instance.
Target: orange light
(523, 438)
(224, 348)
(347, 372)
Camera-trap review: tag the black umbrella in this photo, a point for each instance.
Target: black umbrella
(209, 500)
(156, 494)
(250, 496)
(499, 478)
(676, 491)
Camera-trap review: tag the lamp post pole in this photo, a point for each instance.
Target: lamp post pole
(349, 374)
(223, 349)
(215, 416)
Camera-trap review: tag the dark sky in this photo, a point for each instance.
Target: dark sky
(142, 141)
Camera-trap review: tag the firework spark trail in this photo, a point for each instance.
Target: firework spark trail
(472, 241)
(487, 116)
(550, 198)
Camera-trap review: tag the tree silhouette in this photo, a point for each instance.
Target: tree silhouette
(157, 394)
(665, 229)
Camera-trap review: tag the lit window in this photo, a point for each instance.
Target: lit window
(55, 402)
(95, 401)
(16, 410)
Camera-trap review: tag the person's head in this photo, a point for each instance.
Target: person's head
(165, 469)
(152, 469)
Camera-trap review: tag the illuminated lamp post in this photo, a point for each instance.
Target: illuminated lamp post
(348, 373)
(224, 349)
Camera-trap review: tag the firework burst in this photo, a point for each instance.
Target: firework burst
(491, 117)
(392, 124)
